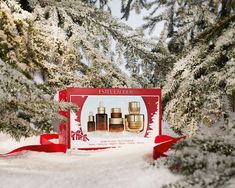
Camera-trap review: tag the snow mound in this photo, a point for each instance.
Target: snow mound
(122, 167)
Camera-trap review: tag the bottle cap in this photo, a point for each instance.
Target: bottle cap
(90, 117)
(134, 107)
(116, 110)
(101, 108)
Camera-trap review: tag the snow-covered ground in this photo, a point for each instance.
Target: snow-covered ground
(123, 167)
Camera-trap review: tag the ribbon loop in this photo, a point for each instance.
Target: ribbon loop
(45, 146)
(164, 143)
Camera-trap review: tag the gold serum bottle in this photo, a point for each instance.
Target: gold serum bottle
(101, 118)
(116, 123)
(134, 121)
(91, 122)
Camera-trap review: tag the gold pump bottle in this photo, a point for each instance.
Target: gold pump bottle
(134, 121)
(101, 118)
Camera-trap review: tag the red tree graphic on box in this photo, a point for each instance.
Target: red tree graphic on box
(79, 135)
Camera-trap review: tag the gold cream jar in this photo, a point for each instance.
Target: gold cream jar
(134, 121)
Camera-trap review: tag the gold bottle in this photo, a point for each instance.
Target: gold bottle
(134, 121)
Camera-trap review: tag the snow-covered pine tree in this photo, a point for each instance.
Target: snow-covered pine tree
(48, 45)
(199, 89)
(25, 107)
(202, 161)
(197, 70)
(96, 29)
(185, 20)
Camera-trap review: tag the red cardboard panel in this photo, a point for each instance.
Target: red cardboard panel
(121, 116)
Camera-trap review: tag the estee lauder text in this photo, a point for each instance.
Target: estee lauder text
(116, 91)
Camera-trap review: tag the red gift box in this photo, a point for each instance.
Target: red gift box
(134, 106)
(76, 134)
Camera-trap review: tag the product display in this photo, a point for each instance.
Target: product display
(110, 117)
(91, 123)
(134, 122)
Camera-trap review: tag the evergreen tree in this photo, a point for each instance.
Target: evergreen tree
(196, 69)
(200, 89)
(202, 161)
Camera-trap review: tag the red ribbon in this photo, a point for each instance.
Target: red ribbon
(164, 143)
(45, 146)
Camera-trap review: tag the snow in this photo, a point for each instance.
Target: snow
(121, 167)
(38, 78)
(220, 7)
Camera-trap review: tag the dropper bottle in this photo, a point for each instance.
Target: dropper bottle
(101, 118)
(91, 122)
